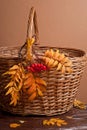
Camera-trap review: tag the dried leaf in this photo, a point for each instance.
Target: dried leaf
(16, 82)
(50, 63)
(12, 72)
(32, 89)
(55, 121)
(59, 66)
(39, 92)
(14, 125)
(9, 91)
(14, 67)
(20, 85)
(32, 97)
(79, 104)
(55, 63)
(29, 81)
(40, 81)
(28, 75)
(56, 59)
(9, 84)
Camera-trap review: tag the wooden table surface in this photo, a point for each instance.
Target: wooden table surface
(78, 122)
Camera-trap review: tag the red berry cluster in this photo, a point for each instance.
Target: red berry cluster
(37, 67)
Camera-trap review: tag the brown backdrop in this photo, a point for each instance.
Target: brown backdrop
(61, 23)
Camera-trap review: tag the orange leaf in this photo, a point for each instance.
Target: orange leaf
(32, 89)
(33, 96)
(14, 125)
(39, 92)
(40, 81)
(29, 81)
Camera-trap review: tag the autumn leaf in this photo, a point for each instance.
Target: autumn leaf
(9, 91)
(14, 125)
(33, 96)
(15, 67)
(40, 81)
(39, 92)
(33, 85)
(55, 121)
(59, 60)
(79, 104)
(16, 82)
(32, 89)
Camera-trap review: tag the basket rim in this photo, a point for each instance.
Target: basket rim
(77, 50)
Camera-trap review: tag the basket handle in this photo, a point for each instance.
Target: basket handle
(32, 24)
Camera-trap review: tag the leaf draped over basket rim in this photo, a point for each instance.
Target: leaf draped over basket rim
(24, 77)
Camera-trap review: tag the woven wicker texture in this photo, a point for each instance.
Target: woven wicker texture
(61, 88)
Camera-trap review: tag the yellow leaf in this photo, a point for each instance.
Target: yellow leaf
(45, 122)
(18, 75)
(20, 85)
(61, 57)
(13, 102)
(10, 72)
(51, 52)
(55, 63)
(66, 59)
(47, 53)
(14, 125)
(51, 61)
(58, 124)
(47, 60)
(59, 66)
(9, 91)
(40, 81)
(56, 54)
(79, 104)
(14, 67)
(9, 84)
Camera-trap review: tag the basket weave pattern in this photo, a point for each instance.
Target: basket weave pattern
(61, 88)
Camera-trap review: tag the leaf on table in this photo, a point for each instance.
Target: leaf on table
(55, 121)
(14, 125)
(79, 104)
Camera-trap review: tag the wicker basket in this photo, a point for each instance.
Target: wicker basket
(61, 88)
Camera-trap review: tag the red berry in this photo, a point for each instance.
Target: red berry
(32, 69)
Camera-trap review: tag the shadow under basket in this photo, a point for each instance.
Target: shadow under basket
(61, 88)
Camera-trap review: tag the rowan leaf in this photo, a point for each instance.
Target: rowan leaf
(39, 92)
(14, 67)
(56, 59)
(28, 75)
(32, 89)
(29, 81)
(32, 97)
(9, 91)
(14, 125)
(9, 84)
(40, 81)
(10, 72)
